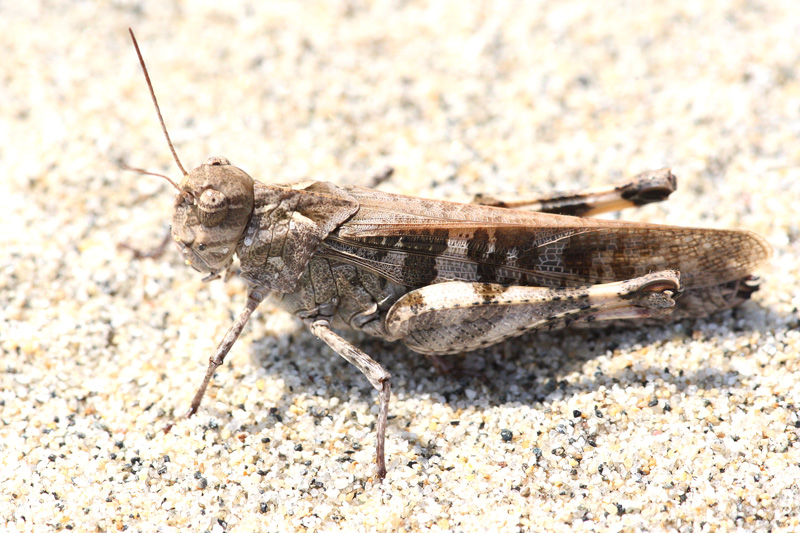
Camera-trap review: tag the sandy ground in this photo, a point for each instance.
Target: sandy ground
(691, 427)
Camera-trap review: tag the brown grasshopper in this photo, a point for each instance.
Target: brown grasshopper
(448, 277)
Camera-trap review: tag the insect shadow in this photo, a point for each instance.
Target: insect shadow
(536, 369)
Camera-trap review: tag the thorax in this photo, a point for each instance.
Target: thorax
(344, 294)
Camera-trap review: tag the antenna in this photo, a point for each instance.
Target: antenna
(158, 110)
(148, 173)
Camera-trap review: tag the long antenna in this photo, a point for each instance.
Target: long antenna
(148, 173)
(155, 103)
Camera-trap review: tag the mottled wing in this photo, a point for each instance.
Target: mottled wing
(416, 242)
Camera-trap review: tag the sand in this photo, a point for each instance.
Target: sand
(689, 427)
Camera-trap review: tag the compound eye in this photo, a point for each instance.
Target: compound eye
(212, 207)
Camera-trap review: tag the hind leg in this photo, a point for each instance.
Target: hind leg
(646, 188)
(454, 317)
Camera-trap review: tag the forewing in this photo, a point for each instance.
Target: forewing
(416, 242)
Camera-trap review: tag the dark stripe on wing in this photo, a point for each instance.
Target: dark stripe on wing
(419, 255)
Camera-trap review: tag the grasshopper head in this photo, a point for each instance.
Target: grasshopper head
(211, 212)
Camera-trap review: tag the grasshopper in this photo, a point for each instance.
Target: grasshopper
(447, 277)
